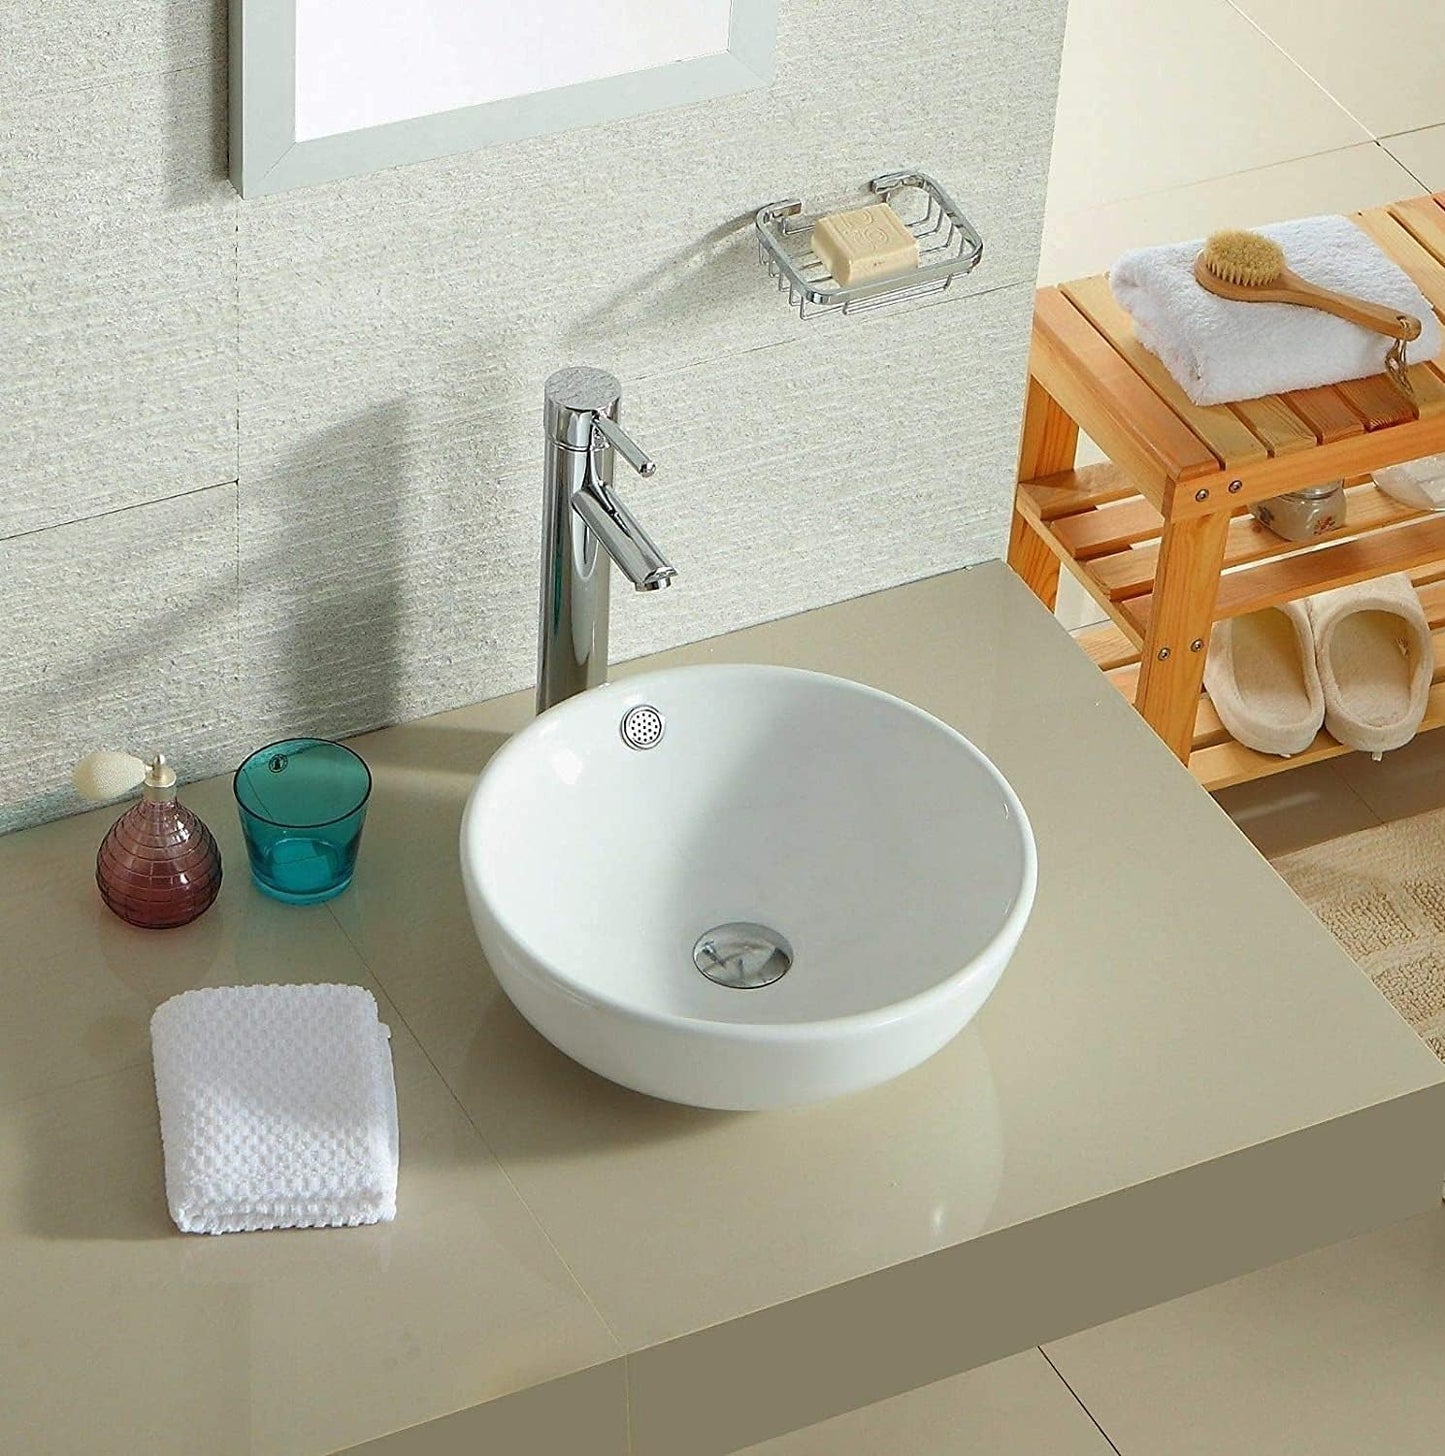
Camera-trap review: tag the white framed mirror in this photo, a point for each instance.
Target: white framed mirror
(322, 89)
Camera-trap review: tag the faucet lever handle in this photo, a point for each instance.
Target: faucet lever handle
(624, 444)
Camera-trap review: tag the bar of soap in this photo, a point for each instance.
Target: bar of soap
(867, 243)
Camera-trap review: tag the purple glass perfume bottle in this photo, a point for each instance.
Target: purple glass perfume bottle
(158, 866)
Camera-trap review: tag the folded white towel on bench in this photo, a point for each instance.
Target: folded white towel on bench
(277, 1107)
(1221, 350)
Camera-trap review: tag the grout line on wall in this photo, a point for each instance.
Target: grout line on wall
(109, 79)
(1300, 67)
(881, 315)
(686, 367)
(1055, 219)
(236, 287)
(240, 617)
(1399, 161)
(1079, 1402)
(120, 510)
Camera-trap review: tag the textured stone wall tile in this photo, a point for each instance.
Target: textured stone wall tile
(120, 633)
(376, 572)
(118, 375)
(125, 151)
(48, 45)
(826, 468)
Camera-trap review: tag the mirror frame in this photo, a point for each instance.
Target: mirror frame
(267, 158)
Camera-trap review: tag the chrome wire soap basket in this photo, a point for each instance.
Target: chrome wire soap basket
(948, 247)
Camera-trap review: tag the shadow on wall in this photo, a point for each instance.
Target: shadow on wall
(703, 280)
(142, 630)
(195, 89)
(327, 550)
(328, 612)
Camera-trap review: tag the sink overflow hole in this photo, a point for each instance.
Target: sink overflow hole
(742, 955)
(642, 726)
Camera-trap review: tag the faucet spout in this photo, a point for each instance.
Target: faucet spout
(623, 536)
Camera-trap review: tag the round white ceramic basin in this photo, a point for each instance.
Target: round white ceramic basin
(879, 866)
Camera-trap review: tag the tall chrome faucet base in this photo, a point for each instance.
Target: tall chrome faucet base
(585, 527)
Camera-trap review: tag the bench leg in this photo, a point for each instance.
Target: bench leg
(1171, 674)
(1034, 562)
(1049, 443)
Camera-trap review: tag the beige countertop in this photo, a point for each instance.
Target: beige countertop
(1180, 1077)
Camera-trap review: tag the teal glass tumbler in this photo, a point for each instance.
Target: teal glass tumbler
(302, 803)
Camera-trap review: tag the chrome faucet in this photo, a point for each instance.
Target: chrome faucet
(580, 512)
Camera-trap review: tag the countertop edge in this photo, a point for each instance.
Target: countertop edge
(886, 1333)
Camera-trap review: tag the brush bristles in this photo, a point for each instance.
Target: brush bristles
(1243, 257)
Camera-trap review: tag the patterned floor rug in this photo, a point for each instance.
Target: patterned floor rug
(1381, 892)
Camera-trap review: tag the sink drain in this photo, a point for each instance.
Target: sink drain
(742, 955)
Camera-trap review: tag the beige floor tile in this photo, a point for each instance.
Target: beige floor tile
(1337, 1353)
(1423, 152)
(1016, 1407)
(1408, 781)
(1382, 61)
(1079, 243)
(1299, 807)
(1158, 96)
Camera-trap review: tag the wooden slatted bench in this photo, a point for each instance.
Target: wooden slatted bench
(1159, 534)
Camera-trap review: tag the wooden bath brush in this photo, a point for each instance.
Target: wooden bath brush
(1250, 268)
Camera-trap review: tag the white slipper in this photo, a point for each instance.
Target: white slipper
(1376, 661)
(1260, 675)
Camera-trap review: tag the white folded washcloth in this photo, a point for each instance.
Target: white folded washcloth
(1221, 350)
(278, 1108)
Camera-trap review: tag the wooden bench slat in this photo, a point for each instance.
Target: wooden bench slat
(1228, 436)
(1276, 424)
(1326, 412)
(1343, 563)
(1429, 390)
(1224, 764)
(1432, 599)
(1107, 647)
(1425, 269)
(1079, 489)
(1377, 402)
(1131, 572)
(1424, 219)
(1208, 729)
(1108, 529)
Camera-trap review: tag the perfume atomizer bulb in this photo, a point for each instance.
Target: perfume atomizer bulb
(105, 775)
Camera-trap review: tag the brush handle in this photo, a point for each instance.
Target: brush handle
(1289, 287)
